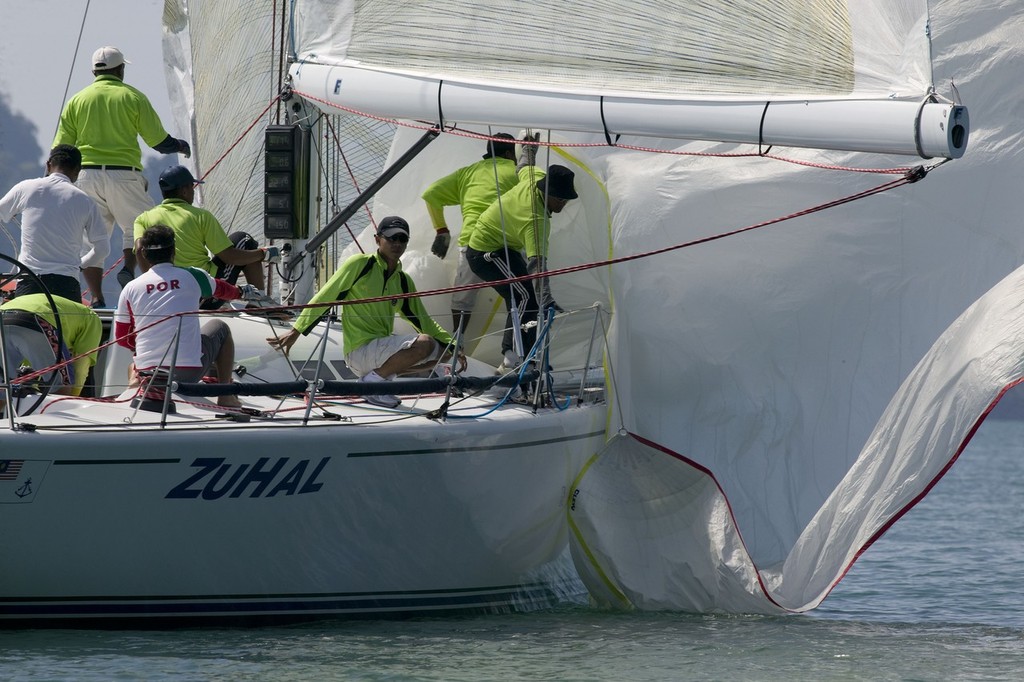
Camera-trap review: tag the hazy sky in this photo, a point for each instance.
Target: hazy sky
(37, 54)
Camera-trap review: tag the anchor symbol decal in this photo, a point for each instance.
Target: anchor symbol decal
(25, 490)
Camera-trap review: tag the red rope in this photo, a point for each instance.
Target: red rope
(355, 184)
(241, 137)
(884, 187)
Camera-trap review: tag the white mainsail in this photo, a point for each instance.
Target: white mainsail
(755, 378)
(784, 72)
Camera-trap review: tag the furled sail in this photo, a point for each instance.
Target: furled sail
(219, 90)
(772, 422)
(224, 73)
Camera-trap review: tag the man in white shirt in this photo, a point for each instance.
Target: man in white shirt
(56, 219)
(151, 319)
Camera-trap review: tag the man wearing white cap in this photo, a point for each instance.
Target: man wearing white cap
(105, 120)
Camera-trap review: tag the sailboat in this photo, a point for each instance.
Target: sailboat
(760, 259)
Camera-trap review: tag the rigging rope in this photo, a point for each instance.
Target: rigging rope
(241, 137)
(912, 176)
(74, 60)
(355, 183)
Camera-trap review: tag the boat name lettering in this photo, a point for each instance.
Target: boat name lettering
(217, 478)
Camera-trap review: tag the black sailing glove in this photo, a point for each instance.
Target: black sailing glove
(442, 241)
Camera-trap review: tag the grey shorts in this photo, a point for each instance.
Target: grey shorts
(213, 334)
(464, 300)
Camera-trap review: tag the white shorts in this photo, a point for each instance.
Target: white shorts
(365, 359)
(121, 196)
(464, 300)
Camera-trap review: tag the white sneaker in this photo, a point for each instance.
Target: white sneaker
(256, 306)
(510, 362)
(519, 396)
(383, 399)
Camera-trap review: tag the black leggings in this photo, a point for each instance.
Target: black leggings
(492, 266)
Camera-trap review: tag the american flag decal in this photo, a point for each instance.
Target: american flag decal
(10, 468)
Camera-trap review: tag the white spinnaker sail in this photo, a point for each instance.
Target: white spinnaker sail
(769, 359)
(792, 344)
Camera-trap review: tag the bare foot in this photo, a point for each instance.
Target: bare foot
(231, 401)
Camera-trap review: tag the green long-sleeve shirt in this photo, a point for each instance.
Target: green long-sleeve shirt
(364, 276)
(473, 188)
(519, 218)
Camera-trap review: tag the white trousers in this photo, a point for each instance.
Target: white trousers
(121, 196)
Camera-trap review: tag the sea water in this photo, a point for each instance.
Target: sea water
(937, 598)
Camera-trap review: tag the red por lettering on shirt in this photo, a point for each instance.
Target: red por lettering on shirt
(163, 286)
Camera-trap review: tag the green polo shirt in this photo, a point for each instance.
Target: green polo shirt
(364, 322)
(105, 120)
(196, 231)
(80, 327)
(519, 219)
(473, 188)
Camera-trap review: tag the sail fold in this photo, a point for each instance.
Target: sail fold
(781, 393)
(654, 530)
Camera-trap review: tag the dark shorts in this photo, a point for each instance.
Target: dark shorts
(213, 336)
(242, 241)
(230, 273)
(498, 265)
(59, 285)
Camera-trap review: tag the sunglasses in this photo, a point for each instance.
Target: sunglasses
(398, 238)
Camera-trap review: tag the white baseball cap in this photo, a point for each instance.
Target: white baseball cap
(108, 58)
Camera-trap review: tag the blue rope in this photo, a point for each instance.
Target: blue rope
(522, 370)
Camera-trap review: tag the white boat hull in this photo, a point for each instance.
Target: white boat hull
(110, 515)
(193, 523)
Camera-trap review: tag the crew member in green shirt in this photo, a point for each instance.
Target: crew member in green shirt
(200, 241)
(371, 348)
(519, 223)
(472, 188)
(30, 337)
(105, 120)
